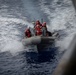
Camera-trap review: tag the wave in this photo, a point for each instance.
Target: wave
(11, 33)
(61, 15)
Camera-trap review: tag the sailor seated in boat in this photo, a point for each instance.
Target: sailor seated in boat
(44, 29)
(38, 28)
(45, 32)
(28, 33)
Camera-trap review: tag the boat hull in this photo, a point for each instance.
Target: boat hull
(36, 40)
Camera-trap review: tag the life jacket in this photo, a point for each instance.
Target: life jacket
(38, 33)
(38, 30)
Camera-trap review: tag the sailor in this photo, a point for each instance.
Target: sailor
(38, 30)
(38, 23)
(27, 33)
(44, 29)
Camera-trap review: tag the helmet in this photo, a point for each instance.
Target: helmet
(37, 22)
(27, 29)
(44, 24)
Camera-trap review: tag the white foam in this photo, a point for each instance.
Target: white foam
(64, 43)
(13, 46)
(17, 20)
(10, 35)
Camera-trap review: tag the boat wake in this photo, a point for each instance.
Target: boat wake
(11, 34)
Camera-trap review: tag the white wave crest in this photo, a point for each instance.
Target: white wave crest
(62, 17)
(10, 39)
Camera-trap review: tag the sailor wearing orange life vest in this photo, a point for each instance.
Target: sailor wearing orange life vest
(27, 33)
(38, 23)
(38, 28)
(44, 29)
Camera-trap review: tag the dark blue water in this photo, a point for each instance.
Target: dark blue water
(14, 16)
(27, 63)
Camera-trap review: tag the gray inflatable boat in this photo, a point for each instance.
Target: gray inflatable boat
(39, 43)
(36, 40)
